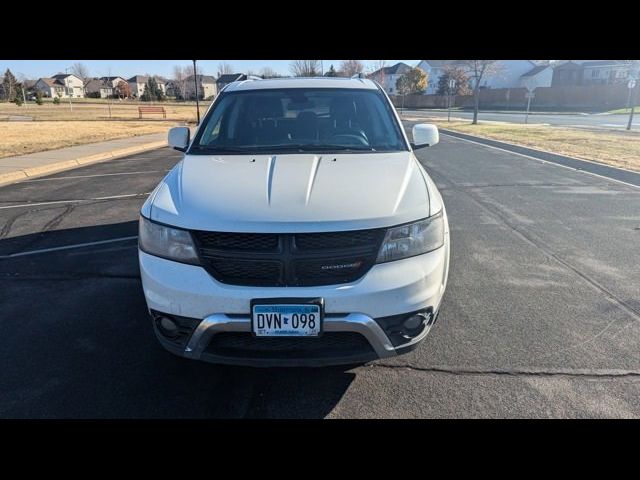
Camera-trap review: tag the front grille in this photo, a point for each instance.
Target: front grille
(301, 259)
(329, 344)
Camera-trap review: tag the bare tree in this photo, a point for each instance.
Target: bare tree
(268, 72)
(224, 68)
(477, 70)
(180, 79)
(376, 71)
(351, 67)
(188, 71)
(81, 71)
(305, 68)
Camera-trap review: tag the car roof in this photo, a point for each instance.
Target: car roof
(301, 82)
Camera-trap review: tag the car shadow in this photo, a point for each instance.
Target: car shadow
(78, 343)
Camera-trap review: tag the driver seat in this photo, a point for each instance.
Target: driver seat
(344, 118)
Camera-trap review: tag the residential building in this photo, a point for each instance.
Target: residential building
(538, 76)
(207, 87)
(505, 73)
(387, 77)
(435, 69)
(224, 80)
(98, 88)
(605, 72)
(138, 83)
(61, 85)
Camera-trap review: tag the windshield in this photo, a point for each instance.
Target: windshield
(297, 119)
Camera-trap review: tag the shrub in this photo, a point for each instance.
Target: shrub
(18, 101)
(56, 101)
(39, 98)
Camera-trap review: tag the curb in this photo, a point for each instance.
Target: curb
(28, 173)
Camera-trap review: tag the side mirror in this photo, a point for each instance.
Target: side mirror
(424, 135)
(179, 138)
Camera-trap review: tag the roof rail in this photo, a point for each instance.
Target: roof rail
(254, 77)
(358, 75)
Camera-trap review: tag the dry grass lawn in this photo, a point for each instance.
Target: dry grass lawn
(18, 138)
(619, 148)
(98, 111)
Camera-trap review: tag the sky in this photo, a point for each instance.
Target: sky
(34, 69)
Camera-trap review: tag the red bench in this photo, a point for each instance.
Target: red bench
(150, 109)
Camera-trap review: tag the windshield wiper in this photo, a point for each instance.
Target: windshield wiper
(310, 147)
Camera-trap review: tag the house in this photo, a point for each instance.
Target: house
(605, 72)
(506, 73)
(207, 87)
(138, 83)
(388, 76)
(98, 88)
(591, 72)
(61, 85)
(50, 87)
(538, 76)
(224, 80)
(435, 69)
(74, 86)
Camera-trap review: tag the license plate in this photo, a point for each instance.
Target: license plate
(279, 319)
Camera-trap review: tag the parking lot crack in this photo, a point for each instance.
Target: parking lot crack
(517, 372)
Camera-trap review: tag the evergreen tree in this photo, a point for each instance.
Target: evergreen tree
(9, 86)
(332, 72)
(152, 92)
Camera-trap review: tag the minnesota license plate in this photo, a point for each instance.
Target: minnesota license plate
(286, 319)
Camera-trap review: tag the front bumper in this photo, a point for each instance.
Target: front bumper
(388, 290)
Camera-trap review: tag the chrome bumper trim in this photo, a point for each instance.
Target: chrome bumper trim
(354, 322)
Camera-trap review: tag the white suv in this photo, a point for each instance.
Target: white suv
(298, 230)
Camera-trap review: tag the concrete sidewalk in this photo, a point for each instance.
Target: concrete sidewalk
(21, 167)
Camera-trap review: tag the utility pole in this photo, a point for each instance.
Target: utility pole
(633, 91)
(195, 81)
(452, 86)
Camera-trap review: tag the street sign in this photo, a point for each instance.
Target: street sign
(632, 83)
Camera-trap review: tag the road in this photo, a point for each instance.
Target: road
(585, 120)
(540, 318)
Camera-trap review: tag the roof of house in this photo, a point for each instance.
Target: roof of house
(398, 68)
(110, 79)
(144, 79)
(443, 63)
(535, 71)
(96, 84)
(231, 77)
(52, 81)
(302, 82)
(202, 78)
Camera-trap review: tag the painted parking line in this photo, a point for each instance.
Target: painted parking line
(112, 197)
(71, 177)
(66, 247)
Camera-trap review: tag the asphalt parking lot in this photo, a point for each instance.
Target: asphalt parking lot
(540, 318)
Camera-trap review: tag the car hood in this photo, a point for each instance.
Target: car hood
(288, 193)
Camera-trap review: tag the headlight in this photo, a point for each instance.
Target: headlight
(412, 239)
(166, 242)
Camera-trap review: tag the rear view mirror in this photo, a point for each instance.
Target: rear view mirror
(179, 138)
(424, 135)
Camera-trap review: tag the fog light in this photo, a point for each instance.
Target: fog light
(414, 321)
(168, 326)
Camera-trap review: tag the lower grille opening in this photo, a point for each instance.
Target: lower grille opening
(329, 344)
